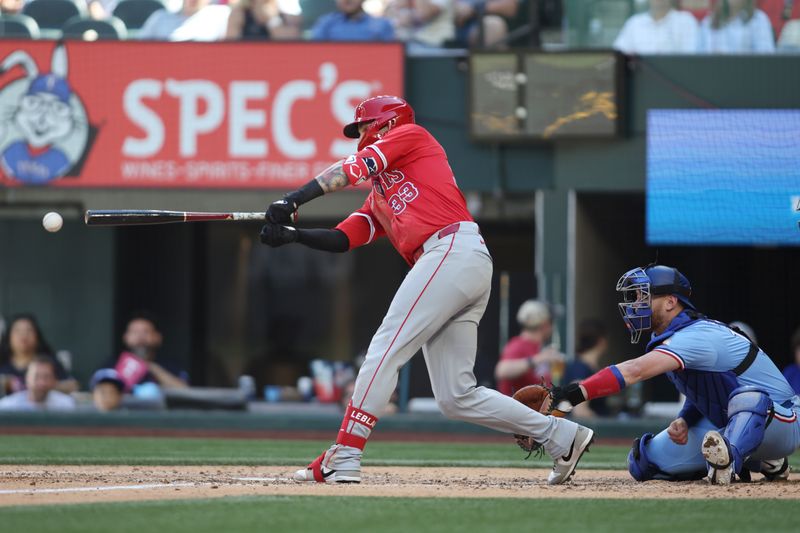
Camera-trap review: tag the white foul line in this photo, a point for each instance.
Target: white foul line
(96, 489)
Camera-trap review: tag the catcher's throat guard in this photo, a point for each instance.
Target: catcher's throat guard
(635, 305)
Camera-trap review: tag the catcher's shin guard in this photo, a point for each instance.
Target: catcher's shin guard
(642, 467)
(748, 415)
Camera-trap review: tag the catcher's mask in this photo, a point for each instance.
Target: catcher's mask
(379, 112)
(638, 285)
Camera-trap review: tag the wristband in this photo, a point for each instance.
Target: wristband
(304, 194)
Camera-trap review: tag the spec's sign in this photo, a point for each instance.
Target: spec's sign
(148, 114)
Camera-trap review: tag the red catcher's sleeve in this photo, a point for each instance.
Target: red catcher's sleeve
(361, 227)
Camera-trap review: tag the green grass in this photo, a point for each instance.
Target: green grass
(351, 514)
(23, 449)
(355, 514)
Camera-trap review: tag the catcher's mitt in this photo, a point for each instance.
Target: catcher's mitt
(538, 398)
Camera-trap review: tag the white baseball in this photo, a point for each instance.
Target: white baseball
(52, 222)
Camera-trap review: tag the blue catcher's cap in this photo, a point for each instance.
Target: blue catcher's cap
(52, 84)
(669, 280)
(108, 375)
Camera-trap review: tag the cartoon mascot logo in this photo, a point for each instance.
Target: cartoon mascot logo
(44, 129)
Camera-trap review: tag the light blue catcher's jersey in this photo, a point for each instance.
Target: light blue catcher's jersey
(714, 347)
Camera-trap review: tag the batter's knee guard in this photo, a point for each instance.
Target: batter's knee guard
(749, 409)
(643, 469)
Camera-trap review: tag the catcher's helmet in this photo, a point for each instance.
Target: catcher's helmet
(379, 111)
(639, 284)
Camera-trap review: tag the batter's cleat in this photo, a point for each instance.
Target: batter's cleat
(775, 470)
(316, 472)
(719, 458)
(564, 467)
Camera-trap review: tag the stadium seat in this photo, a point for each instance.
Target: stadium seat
(314, 9)
(52, 14)
(19, 27)
(89, 29)
(134, 13)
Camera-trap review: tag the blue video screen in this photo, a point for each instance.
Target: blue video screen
(723, 177)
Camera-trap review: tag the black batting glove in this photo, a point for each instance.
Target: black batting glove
(277, 234)
(570, 393)
(280, 211)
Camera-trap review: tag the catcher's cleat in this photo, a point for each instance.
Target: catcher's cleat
(775, 470)
(719, 458)
(316, 472)
(564, 467)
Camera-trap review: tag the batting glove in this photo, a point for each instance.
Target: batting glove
(277, 234)
(280, 211)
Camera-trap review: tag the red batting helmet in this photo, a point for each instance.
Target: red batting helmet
(380, 111)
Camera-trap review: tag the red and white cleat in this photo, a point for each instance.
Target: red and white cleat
(317, 472)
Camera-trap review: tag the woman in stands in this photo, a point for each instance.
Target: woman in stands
(20, 344)
(736, 27)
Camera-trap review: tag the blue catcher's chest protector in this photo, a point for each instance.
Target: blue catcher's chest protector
(707, 390)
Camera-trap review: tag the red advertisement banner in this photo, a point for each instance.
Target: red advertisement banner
(182, 115)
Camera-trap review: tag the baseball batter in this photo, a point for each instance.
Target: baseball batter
(740, 414)
(417, 205)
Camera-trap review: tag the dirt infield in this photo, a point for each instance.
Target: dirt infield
(38, 485)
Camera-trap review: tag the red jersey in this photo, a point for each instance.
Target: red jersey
(519, 348)
(414, 192)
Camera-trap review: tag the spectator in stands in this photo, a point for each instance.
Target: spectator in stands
(792, 372)
(525, 359)
(107, 388)
(789, 40)
(592, 344)
(736, 27)
(196, 21)
(261, 20)
(11, 7)
(781, 13)
(661, 30)
(140, 363)
(493, 13)
(41, 393)
(351, 23)
(20, 344)
(101, 9)
(423, 24)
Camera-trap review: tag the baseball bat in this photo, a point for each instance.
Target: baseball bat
(137, 217)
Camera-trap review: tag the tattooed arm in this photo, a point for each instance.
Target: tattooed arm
(331, 179)
(275, 233)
